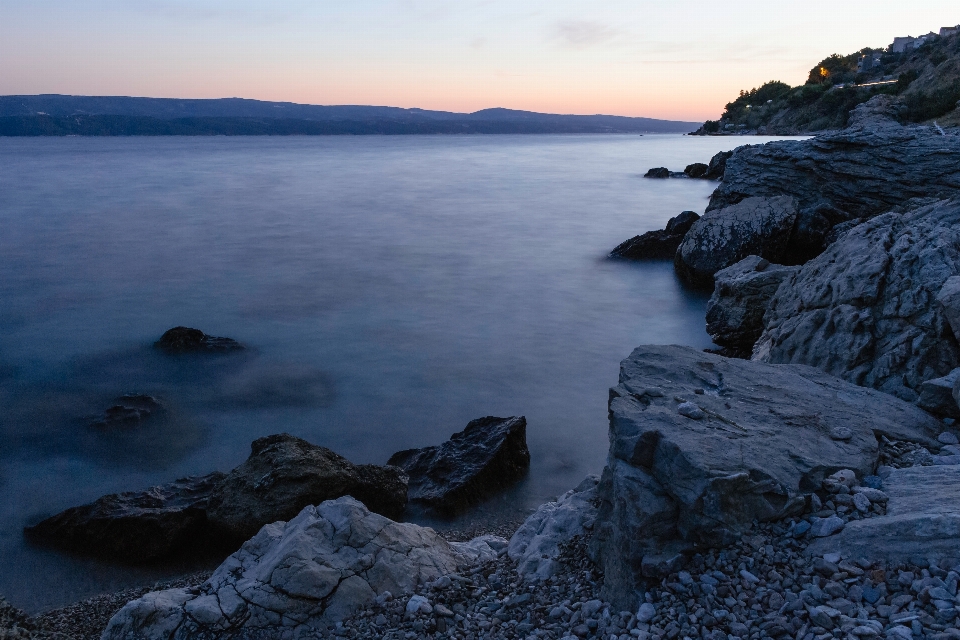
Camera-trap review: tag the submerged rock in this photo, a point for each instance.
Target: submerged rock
(741, 295)
(284, 474)
(295, 578)
(766, 440)
(186, 340)
(657, 245)
(486, 457)
(137, 527)
(130, 410)
(866, 310)
(755, 226)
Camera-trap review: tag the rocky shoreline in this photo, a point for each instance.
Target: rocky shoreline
(808, 488)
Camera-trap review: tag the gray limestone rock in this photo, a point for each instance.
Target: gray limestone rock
(922, 520)
(721, 238)
(936, 395)
(294, 578)
(536, 544)
(865, 311)
(949, 299)
(764, 443)
(741, 294)
(861, 171)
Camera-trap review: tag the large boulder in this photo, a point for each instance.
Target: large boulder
(721, 238)
(936, 395)
(284, 474)
(861, 171)
(867, 310)
(537, 544)
(136, 527)
(489, 455)
(657, 245)
(219, 511)
(922, 520)
(701, 446)
(741, 295)
(186, 340)
(298, 578)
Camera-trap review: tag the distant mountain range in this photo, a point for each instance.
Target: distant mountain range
(58, 115)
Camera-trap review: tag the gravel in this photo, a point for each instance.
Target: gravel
(764, 586)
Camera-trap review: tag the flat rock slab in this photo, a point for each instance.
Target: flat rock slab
(922, 520)
(764, 436)
(295, 578)
(489, 455)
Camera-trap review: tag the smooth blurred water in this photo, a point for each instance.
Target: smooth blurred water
(391, 289)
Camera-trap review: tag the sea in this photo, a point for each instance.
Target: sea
(389, 290)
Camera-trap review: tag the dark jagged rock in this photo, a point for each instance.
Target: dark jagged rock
(187, 340)
(867, 310)
(136, 526)
(741, 295)
(863, 170)
(657, 172)
(755, 226)
(657, 245)
(219, 511)
(718, 164)
(696, 170)
(284, 474)
(130, 410)
(701, 446)
(486, 457)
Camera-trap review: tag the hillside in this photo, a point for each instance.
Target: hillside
(925, 80)
(117, 115)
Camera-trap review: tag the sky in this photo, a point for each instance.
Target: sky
(654, 58)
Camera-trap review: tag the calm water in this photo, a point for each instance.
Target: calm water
(391, 289)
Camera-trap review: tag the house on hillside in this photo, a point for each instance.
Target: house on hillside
(949, 31)
(868, 62)
(909, 43)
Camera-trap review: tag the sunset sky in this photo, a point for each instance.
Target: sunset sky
(663, 59)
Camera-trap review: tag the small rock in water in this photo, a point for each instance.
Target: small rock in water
(845, 477)
(186, 340)
(657, 172)
(872, 482)
(823, 527)
(691, 411)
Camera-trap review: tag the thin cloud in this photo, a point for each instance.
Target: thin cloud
(580, 34)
